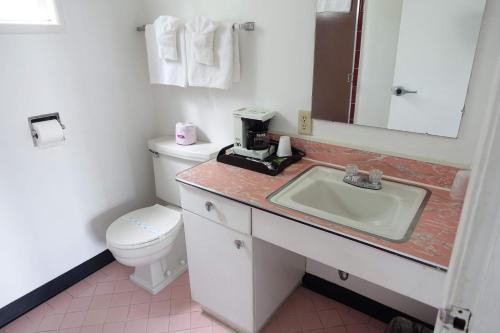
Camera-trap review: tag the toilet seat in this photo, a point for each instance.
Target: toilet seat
(144, 227)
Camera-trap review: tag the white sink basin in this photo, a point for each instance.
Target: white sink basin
(389, 213)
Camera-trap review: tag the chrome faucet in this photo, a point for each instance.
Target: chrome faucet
(372, 181)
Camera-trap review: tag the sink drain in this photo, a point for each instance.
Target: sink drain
(343, 275)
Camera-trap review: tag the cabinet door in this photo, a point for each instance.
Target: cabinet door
(220, 271)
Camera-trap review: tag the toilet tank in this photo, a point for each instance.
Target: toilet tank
(169, 159)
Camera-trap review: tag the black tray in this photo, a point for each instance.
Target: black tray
(272, 165)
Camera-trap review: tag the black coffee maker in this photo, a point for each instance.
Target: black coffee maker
(251, 133)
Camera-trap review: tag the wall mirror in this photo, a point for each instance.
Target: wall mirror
(397, 64)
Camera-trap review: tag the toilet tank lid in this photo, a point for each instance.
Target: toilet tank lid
(200, 151)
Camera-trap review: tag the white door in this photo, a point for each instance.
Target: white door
(436, 47)
(473, 280)
(220, 272)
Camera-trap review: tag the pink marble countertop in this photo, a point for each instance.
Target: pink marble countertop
(431, 241)
(434, 234)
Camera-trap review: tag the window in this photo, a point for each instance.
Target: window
(29, 15)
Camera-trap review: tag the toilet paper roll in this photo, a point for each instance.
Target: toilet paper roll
(48, 132)
(185, 133)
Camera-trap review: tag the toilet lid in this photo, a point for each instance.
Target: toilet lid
(143, 226)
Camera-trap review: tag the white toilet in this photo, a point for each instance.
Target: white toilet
(151, 239)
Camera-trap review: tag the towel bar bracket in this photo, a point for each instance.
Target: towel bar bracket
(247, 26)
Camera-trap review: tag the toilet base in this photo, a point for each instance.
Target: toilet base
(156, 276)
(155, 267)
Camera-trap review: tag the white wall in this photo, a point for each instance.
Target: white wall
(56, 204)
(272, 75)
(277, 62)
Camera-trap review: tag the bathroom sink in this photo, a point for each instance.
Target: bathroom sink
(390, 213)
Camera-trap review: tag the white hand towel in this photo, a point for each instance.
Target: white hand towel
(163, 71)
(334, 6)
(202, 32)
(225, 69)
(166, 36)
(236, 56)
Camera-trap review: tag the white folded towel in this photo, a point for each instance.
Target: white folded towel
(166, 36)
(202, 32)
(226, 67)
(236, 56)
(334, 6)
(164, 71)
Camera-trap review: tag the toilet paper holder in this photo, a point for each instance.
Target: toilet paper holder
(40, 118)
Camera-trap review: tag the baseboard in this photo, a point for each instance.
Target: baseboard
(356, 301)
(40, 295)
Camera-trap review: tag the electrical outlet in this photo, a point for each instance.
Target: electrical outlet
(305, 123)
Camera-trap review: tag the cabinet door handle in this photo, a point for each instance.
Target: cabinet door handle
(238, 243)
(208, 206)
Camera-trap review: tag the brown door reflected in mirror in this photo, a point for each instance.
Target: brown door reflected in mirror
(333, 65)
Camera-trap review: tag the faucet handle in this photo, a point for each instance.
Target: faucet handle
(351, 170)
(375, 176)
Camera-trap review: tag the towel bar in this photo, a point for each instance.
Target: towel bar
(247, 26)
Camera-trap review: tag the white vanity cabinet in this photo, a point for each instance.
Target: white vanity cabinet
(233, 276)
(244, 262)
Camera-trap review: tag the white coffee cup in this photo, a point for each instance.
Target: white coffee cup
(284, 147)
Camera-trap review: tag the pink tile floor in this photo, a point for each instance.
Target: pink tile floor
(107, 302)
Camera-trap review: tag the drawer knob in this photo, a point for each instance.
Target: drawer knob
(208, 206)
(238, 243)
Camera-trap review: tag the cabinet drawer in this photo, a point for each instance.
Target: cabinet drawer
(216, 208)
